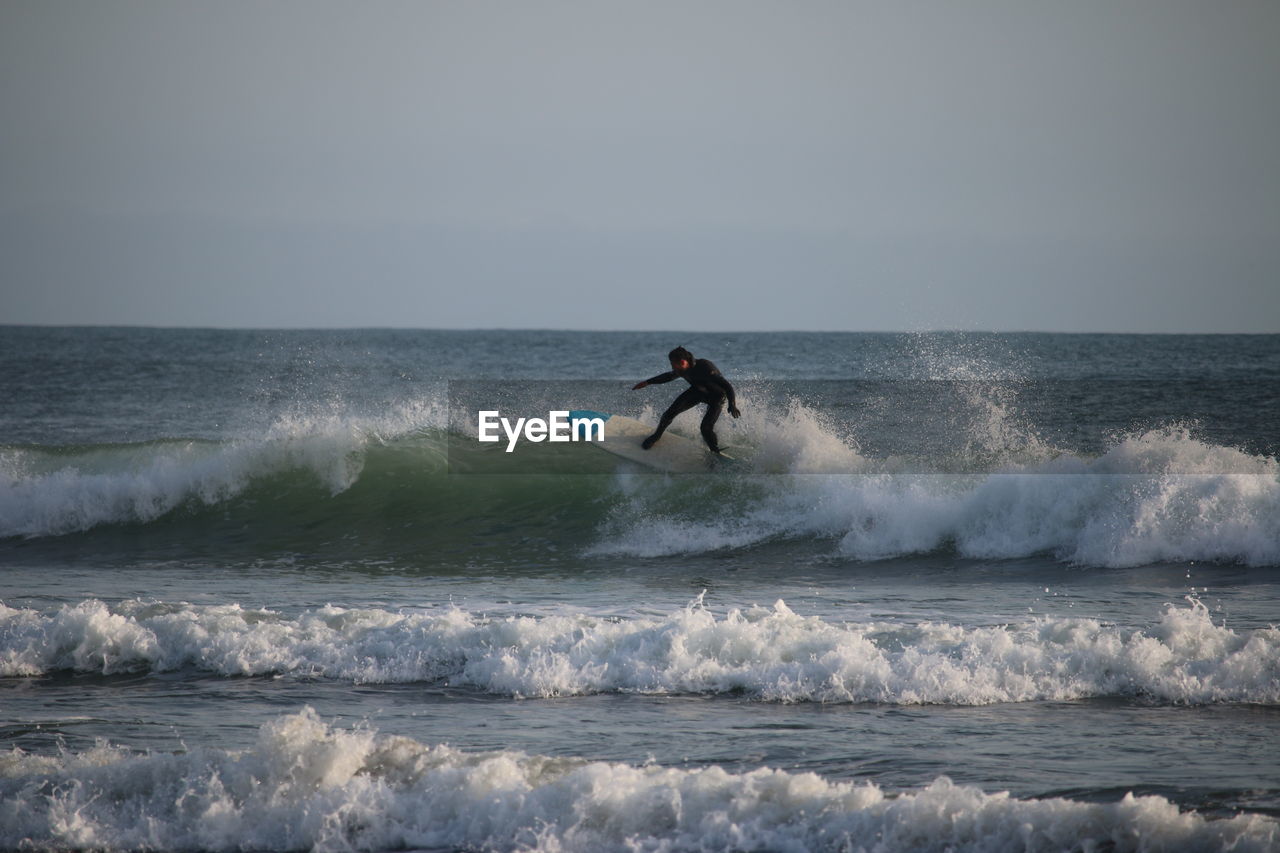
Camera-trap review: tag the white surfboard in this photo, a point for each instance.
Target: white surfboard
(622, 436)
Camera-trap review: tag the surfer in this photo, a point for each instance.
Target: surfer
(706, 385)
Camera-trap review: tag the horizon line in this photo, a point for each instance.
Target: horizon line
(363, 328)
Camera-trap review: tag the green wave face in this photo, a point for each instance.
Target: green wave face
(436, 499)
(428, 495)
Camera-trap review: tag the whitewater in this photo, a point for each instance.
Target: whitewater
(769, 653)
(265, 590)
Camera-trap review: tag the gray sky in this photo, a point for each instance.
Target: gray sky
(1102, 165)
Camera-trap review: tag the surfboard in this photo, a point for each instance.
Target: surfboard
(622, 436)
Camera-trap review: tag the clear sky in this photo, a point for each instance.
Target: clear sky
(1102, 165)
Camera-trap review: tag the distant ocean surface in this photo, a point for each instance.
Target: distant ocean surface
(263, 590)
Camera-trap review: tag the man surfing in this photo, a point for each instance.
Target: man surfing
(706, 385)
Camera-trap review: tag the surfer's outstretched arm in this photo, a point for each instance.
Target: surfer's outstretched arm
(656, 380)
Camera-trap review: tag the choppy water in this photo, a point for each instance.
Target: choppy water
(263, 590)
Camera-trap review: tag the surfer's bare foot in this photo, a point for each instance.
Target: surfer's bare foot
(649, 442)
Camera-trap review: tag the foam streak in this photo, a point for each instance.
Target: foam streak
(308, 786)
(772, 653)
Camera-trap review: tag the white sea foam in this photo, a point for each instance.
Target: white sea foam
(1159, 495)
(770, 653)
(45, 493)
(306, 785)
(1162, 495)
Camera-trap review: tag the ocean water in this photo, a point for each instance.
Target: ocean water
(264, 590)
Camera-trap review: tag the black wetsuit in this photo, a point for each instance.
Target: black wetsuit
(706, 385)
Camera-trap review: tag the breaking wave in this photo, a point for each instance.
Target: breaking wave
(392, 486)
(771, 654)
(1158, 496)
(306, 785)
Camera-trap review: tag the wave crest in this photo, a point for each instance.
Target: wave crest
(1158, 495)
(305, 785)
(772, 654)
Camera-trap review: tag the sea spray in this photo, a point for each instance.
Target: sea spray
(1153, 496)
(340, 480)
(52, 491)
(669, 727)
